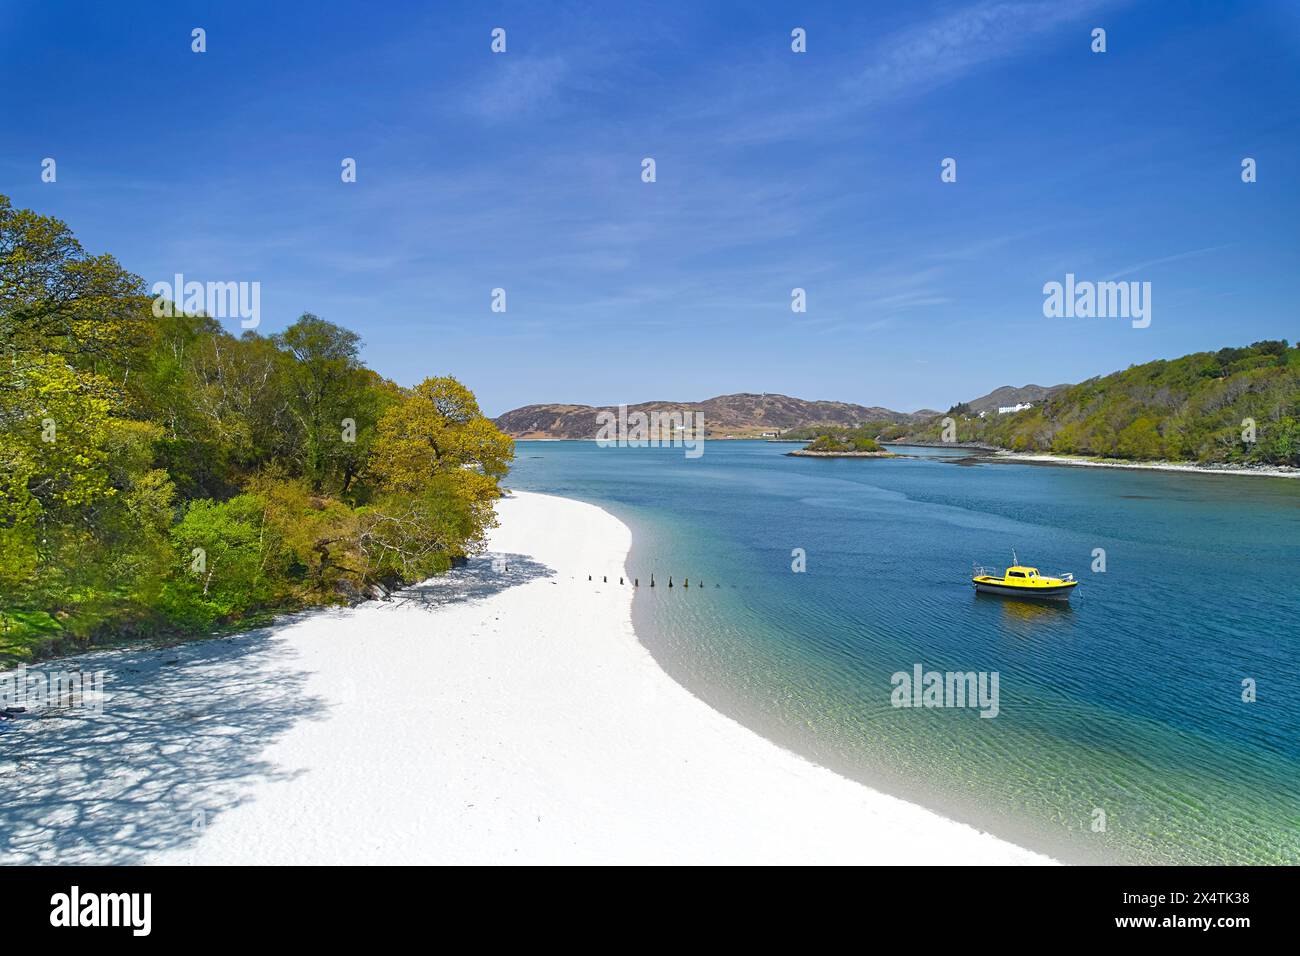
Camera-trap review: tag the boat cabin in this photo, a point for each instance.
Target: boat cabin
(1020, 571)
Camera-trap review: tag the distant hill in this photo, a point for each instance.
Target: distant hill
(1008, 396)
(747, 414)
(1196, 408)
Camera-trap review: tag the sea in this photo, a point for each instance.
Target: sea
(1153, 718)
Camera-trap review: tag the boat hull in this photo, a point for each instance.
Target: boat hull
(1058, 593)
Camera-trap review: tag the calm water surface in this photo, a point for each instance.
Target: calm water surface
(1127, 700)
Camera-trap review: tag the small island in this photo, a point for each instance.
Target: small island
(844, 443)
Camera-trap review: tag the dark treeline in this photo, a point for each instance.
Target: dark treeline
(162, 475)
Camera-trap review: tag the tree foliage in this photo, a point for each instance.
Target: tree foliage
(160, 474)
(1237, 405)
(843, 443)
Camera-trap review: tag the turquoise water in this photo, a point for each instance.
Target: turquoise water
(1127, 700)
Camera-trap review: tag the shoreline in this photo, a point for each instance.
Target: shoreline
(505, 715)
(1001, 455)
(1191, 468)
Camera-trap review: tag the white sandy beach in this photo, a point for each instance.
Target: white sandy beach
(1189, 468)
(494, 717)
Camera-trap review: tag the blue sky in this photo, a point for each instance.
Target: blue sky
(775, 170)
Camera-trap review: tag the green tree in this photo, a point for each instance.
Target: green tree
(57, 299)
(330, 395)
(159, 474)
(1141, 439)
(1281, 442)
(229, 560)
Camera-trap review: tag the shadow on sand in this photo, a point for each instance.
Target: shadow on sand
(480, 578)
(181, 736)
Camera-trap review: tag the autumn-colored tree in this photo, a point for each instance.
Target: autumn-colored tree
(436, 461)
(437, 428)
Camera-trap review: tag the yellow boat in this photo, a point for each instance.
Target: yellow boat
(1024, 582)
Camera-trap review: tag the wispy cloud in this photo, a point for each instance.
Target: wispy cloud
(523, 84)
(1140, 266)
(901, 65)
(946, 47)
